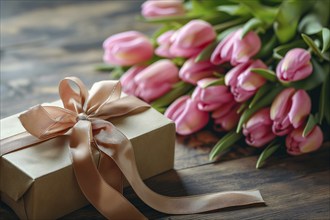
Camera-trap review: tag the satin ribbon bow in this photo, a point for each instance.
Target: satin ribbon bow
(84, 119)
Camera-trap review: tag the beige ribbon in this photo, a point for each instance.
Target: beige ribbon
(83, 118)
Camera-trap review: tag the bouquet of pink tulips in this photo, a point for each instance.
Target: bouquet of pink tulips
(256, 70)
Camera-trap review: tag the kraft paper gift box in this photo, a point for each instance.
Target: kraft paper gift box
(39, 182)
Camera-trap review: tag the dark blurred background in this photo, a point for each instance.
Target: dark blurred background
(44, 41)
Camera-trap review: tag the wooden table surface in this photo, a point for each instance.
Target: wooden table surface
(42, 42)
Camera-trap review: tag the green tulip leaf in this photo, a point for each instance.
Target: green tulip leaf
(218, 82)
(313, 46)
(260, 93)
(265, 73)
(312, 81)
(326, 39)
(179, 61)
(280, 51)
(288, 17)
(228, 24)
(311, 122)
(242, 107)
(264, 13)
(251, 25)
(179, 89)
(234, 10)
(310, 24)
(324, 104)
(267, 46)
(226, 32)
(116, 73)
(224, 143)
(206, 53)
(263, 102)
(266, 153)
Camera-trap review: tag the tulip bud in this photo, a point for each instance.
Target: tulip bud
(211, 98)
(188, 41)
(226, 116)
(127, 80)
(156, 80)
(187, 117)
(289, 110)
(258, 129)
(161, 8)
(244, 83)
(164, 41)
(296, 144)
(191, 71)
(235, 49)
(294, 66)
(127, 48)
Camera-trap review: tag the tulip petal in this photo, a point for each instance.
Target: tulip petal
(149, 93)
(231, 76)
(127, 80)
(228, 122)
(195, 33)
(250, 81)
(191, 119)
(216, 94)
(281, 104)
(165, 38)
(223, 110)
(244, 49)
(156, 9)
(223, 51)
(176, 108)
(303, 72)
(261, 117)
(313, 141)
(300, 109)
(158, 73)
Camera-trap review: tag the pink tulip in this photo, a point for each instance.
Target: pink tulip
(191, 71)
(186, 42)
(161, 8)
(294, 66)
(128, 82)
(243, 83)
(156, 80)
(235, 49)
(192, 38)
(164, 41)
(187, 117)
(296, 144)
(226, 116)
(211, 98)
(289, 110)
(258, 129)
(127, 48)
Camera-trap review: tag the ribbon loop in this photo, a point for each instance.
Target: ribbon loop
(73, 100)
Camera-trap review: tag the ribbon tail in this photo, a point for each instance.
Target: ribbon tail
(111, 172)
(104, 198)
(116, 145)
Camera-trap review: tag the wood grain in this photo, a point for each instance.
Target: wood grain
(42, 42)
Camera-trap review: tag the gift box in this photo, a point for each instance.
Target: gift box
(38, 182)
